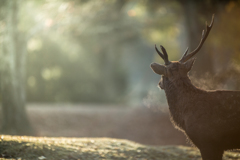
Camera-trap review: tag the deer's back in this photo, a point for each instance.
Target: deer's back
(220, 103)
(215, 115)
(223, 104)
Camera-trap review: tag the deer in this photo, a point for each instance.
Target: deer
(210, 119)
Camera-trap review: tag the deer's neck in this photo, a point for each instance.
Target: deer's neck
(179, 87)
(178, 93)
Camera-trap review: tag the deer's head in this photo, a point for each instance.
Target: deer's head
(173, 70)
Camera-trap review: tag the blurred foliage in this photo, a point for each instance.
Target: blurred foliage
(82, 53)
(228, 31)
(100, 51)
(224, 47)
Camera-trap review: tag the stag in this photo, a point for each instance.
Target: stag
(209, 118)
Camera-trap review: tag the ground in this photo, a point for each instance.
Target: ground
(140, 124)
(87, 149)
(152, 130)
(38, 148)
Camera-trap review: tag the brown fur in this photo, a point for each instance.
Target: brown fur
(210, 119)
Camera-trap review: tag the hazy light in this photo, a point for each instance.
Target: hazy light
(31, 81)
(34, 44)
(48, 22)
(131, 13)
(51, 73)
(63, 7)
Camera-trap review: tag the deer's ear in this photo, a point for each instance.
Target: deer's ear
(159, 69)
(189, 63)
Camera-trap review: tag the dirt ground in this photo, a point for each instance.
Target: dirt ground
(139, 124)
(32, 148)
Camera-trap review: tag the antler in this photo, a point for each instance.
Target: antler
(186, 57)
(164, 56)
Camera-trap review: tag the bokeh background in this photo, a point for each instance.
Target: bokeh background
(80, 68)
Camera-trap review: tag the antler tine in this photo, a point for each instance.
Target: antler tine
(186, 57)
(165, 54)
(160, 54)
(185, 53)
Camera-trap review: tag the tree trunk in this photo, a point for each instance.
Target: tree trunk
(15, 120)
(194, 27)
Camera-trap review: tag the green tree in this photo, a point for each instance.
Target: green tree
(13, 72)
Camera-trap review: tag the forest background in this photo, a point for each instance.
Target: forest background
(99, 51)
